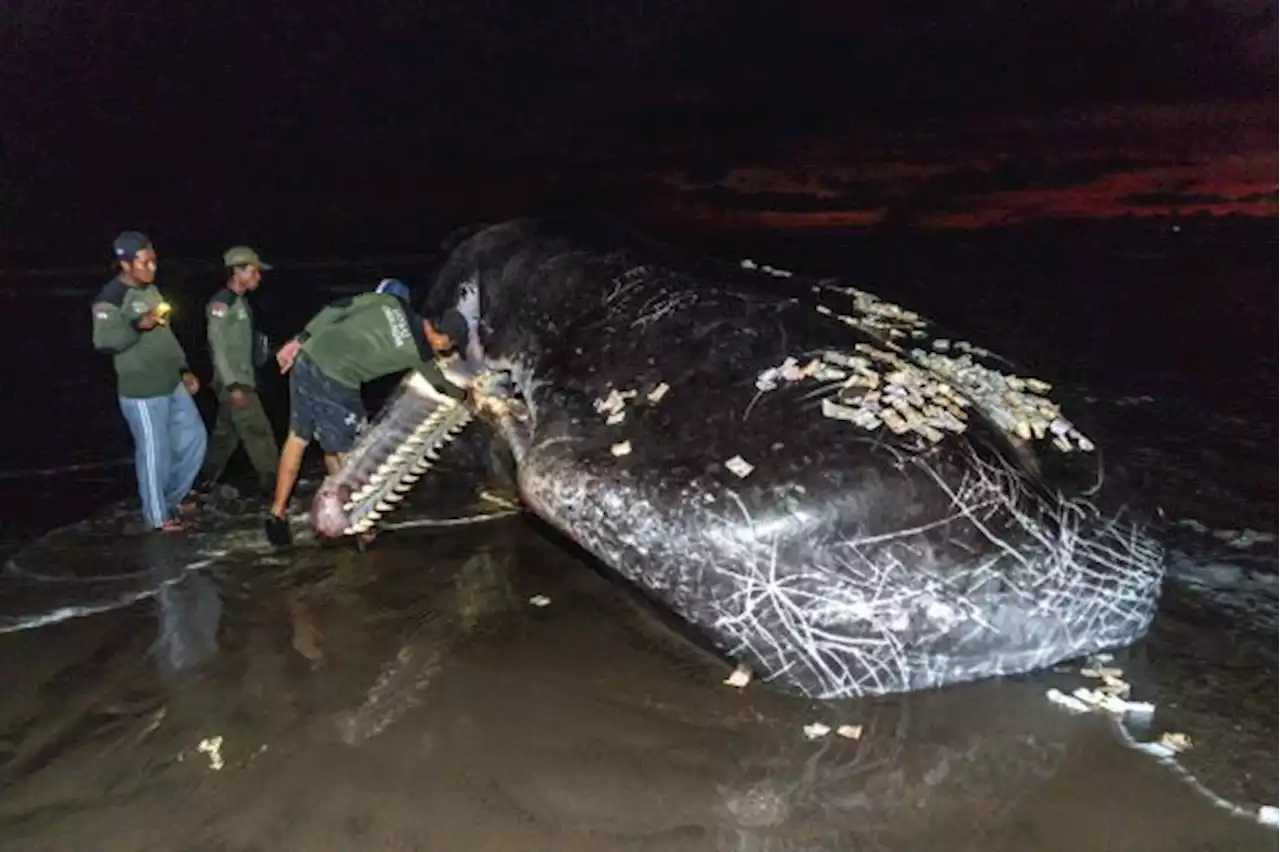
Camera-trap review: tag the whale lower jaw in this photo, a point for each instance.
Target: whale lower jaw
(398, 448)
(404, 441)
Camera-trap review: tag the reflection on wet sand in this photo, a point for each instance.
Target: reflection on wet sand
(188, 603)
(412, 698)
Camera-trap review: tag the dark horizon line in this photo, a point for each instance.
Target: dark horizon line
(190, 262)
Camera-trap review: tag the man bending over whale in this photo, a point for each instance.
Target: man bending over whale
(350, 342)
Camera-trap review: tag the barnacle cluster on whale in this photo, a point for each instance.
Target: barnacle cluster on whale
(922, 391)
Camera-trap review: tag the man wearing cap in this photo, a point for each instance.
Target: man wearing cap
(237, 349)
(153, 382)
(350, 342)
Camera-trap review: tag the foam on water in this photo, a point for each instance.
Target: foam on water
(228, 536)
(1231, 571)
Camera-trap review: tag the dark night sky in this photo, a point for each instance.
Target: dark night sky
(257, 120)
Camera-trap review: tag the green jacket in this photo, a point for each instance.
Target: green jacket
(147, 363)
(233, 343)
(362, 338)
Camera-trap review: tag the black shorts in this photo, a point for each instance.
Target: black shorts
(321, 409)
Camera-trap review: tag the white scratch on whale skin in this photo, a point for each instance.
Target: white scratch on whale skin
(875, 614)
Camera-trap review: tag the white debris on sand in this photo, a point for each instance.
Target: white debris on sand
(739, 677)
(212, 746)
(1112, 694)
(540, 600)
(771, 270)
(658, 392)
(621, 449)
(615, 401)
(816, 730)
(1166, 749)
(739, 467)
(1075, 705)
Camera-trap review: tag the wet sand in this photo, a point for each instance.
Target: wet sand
(414, 698)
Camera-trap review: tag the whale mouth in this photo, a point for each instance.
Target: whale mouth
(401, 445)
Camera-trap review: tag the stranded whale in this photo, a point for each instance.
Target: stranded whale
(832, 491)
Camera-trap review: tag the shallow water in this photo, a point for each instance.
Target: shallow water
(416, 697)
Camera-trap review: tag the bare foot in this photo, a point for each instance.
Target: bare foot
(173, 526)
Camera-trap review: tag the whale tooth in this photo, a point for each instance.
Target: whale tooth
(402, 488)
(361, 527)
(382, 507)
(395, 497)
(373, 516)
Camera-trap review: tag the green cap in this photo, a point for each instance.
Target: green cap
(243, 256)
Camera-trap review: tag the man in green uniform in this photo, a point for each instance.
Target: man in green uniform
(153, 382)
(352, 341)
(237, 349)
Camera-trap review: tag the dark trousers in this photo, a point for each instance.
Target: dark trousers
(249, 425)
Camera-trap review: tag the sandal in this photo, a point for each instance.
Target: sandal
(278, 531)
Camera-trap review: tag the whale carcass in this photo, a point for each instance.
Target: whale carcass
(832, 491)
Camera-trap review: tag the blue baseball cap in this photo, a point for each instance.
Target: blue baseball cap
(454, 324)
(394, 287)
(129, 243)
